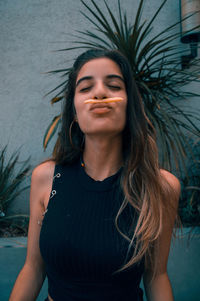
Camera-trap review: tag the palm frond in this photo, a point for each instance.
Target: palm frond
(51, 130)
(156, 66)
(10, 182)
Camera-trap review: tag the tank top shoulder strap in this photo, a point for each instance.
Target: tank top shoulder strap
(56, 175)
(61, 173)
(57, 172)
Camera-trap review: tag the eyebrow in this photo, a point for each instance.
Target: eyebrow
(110, 76)
(83, 78)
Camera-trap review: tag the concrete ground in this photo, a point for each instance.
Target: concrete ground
(12, 256)
(183, 267)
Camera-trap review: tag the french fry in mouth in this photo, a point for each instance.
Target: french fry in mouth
(112, 99)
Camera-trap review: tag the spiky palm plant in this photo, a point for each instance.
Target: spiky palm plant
(155, 62)
(189, 206)
(10, 188)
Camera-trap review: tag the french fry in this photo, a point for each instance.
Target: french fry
(112, 99)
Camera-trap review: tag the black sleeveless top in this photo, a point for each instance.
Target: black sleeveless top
(79, 242)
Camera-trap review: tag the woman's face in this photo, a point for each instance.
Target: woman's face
(98, 79)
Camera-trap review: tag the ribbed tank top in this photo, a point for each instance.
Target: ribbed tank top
(79, 242)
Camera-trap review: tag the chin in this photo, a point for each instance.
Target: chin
(103, 128)
(104, 132)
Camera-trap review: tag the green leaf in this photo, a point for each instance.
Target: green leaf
(155, 62)
(51, 130)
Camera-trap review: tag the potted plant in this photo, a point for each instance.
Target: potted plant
(156, 66)
(10, 187)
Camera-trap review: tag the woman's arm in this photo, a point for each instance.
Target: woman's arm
(159, 289)
(32, 275)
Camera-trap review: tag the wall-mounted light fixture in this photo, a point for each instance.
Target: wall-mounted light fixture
(190, 28)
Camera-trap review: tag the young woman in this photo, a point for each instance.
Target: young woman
(101, 210)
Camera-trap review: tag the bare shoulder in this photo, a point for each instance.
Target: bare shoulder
(172, 180)
(175, 186)
(41, 183)
(43, 173)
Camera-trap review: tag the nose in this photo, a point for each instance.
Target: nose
(100, 90)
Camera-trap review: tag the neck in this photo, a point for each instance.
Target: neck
(102, 156)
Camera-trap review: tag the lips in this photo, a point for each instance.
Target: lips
(100, 108)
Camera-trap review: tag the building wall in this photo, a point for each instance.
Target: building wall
(30, 32)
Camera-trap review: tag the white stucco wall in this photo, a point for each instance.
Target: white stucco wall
(30, 31)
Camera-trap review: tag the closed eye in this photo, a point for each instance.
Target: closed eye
(114, 87)
(85, 89)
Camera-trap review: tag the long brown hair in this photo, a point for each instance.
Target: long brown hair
(145, 190)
